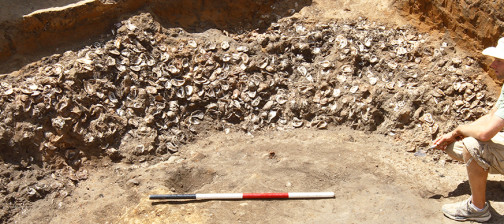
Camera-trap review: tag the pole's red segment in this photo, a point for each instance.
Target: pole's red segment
(265, 195)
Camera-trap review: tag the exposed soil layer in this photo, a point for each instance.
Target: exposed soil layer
(482, 22)
(223, 96)
(474, 25)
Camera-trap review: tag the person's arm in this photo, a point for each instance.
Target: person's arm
(482, 129)
(486, 118)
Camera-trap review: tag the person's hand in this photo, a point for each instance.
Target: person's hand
(445, 140)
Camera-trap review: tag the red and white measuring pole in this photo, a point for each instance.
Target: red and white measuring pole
(237, 196)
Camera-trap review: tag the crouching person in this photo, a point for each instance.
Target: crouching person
(480, 145)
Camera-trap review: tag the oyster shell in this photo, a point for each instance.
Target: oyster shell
(225, 45)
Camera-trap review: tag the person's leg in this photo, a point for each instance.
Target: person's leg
(477, 180)
(456, 150)
(473, 153)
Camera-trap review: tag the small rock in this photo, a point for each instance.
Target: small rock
(133, 182)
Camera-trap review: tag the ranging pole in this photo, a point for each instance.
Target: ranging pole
(237, 196)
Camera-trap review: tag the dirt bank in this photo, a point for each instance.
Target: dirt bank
(475, 25)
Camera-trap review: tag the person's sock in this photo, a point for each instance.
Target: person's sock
(475, 208)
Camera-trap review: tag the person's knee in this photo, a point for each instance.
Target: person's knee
(468, 159)
(466, 155)
(455, 151)
(471, 155)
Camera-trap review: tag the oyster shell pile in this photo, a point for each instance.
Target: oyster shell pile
(149, 89)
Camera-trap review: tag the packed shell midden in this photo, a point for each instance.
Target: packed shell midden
(149, 89)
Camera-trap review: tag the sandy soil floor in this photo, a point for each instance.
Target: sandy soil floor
(374, 181)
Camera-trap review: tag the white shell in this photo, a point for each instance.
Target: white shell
(326, 64)
(302, 70)
(192, 43)
(373, 80)
(151, 90)
(225, 45)
(271, 115)
(178, 82)
(341, 41)
(242, 49)
(336, 93)
(354, 89)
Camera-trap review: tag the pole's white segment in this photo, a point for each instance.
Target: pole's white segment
(220, 196)
(311, 195)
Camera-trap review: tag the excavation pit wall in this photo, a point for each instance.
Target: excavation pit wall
(474, 25)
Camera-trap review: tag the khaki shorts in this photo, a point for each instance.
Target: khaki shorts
(489, 155)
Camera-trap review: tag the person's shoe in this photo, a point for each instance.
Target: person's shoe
(462, 211)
